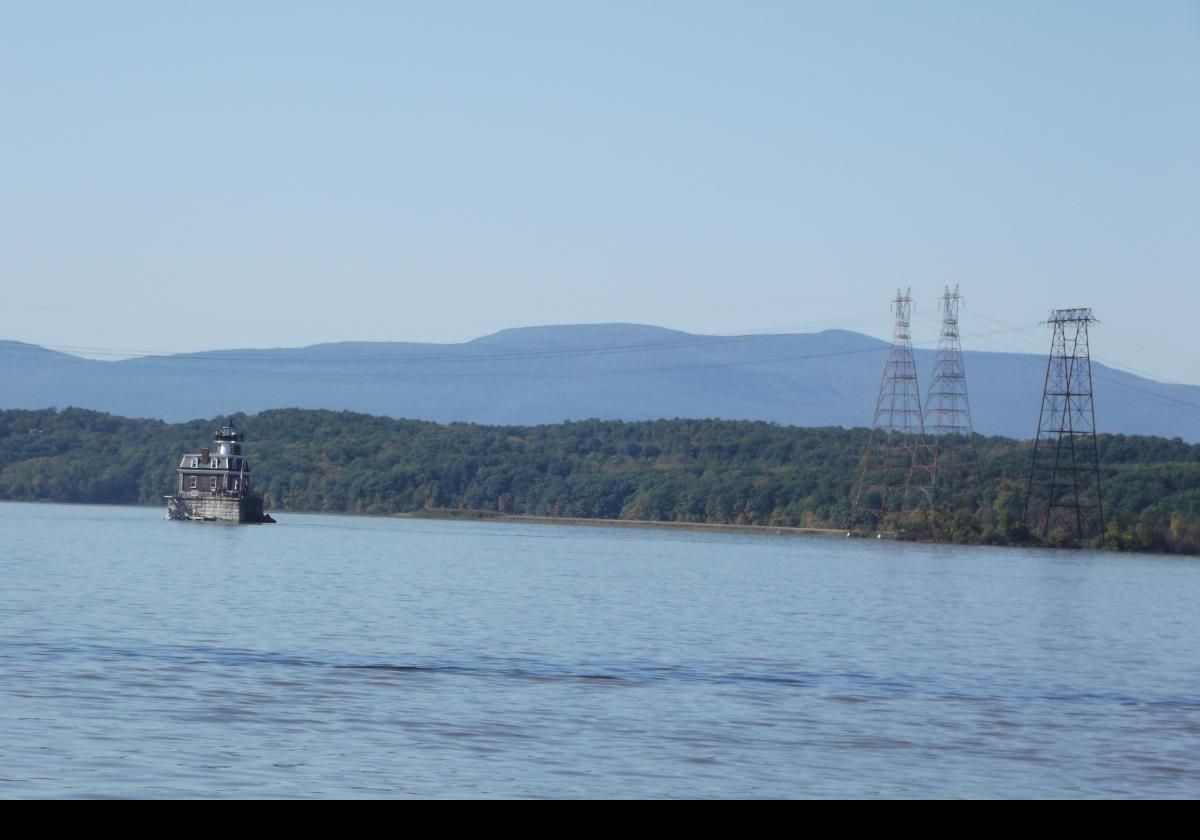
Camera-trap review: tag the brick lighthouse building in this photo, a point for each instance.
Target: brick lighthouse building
(215, 484)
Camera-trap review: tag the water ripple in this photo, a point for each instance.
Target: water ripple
(378, 658)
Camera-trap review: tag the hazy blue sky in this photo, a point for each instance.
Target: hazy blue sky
(178, 177)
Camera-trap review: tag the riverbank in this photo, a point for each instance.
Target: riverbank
(492, 516)
(663, 473)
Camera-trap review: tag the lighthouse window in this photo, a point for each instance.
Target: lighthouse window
(212, 483)
(195, 462)
(193, 483)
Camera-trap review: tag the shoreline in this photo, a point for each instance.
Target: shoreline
(455, 515)
(449, 514)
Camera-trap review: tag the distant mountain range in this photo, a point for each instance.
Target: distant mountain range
(540, 375)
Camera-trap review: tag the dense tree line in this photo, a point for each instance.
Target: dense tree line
(712, 471)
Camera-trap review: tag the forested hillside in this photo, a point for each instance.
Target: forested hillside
(733, 472)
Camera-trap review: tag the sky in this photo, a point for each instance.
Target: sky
(181, 177)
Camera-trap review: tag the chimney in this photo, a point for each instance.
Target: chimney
(203, 456)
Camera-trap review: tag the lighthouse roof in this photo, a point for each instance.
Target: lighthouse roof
(229, 432)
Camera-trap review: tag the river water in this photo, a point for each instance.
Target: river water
(370, 657)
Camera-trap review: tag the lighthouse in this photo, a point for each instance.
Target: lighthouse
(215, 484)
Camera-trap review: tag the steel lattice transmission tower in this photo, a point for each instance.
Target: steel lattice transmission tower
(1064, 492)
(897, 470)
(947, 409)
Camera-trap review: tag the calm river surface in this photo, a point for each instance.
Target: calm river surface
(357, 657)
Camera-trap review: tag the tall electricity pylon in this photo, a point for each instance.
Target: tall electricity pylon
(947, 409)
(1064, 497)
(897, 470)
